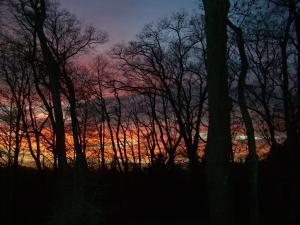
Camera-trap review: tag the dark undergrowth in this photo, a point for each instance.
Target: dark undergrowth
(150, 197)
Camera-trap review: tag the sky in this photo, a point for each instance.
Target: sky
(123, 19)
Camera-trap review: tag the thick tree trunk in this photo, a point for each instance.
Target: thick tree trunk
(58, 114)
(219, 137)
(192, 156)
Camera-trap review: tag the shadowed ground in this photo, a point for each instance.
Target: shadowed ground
(156, 197)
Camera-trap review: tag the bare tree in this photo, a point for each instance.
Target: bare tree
(14, 72)
(67, 39)
(164, 60)
(32, 15)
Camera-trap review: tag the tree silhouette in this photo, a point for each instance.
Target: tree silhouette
(219, 138)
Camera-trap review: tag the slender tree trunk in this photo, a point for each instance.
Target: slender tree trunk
(125, 149)
(18, 139)
(9, 162)
(119, 146)
(295, 150)
(38, 152)
(139, 146)
(102, 144)
(35, 157)
(252, 159)
(296, 11)
(114, 148)
(219, 137)
(285, 85)
(291, 130)
(80, 156)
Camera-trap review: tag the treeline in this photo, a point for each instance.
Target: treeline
(147, 101)
(192, 88)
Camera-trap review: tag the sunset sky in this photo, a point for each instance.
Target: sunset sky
(123, 19)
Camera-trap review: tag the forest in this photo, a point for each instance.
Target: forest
(195, 121)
